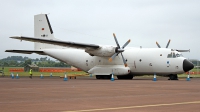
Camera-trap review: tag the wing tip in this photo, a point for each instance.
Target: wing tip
(15, 37)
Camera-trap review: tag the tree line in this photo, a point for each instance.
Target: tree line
(19, 61)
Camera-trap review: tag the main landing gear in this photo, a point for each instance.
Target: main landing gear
(125, 77)
(119, 76)
(173, 77)
(103, 76)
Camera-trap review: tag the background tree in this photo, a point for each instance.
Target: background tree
(27, 62)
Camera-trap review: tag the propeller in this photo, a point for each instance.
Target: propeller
(166, 45)
(119, 50)
(173, 49)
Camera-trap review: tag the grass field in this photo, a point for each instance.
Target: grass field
(78, 73)
(73, 73)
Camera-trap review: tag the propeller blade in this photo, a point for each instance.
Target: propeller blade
(183, 50)
(158, 45)
(168, 43)
(113, 56)
(125, 64)
(126, 44)
(119, 50)
(116, 40)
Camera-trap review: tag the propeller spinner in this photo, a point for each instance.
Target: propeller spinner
(119, 50)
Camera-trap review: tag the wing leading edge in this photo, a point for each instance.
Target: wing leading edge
(57, 42)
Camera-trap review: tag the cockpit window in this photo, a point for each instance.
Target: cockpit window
(172, 55)
(169, 56)
(179, 55)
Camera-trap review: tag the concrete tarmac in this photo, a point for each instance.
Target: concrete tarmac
(86, 94)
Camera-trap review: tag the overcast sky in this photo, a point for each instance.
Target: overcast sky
(94, 21)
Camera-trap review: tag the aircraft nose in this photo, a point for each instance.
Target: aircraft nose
(187, 65)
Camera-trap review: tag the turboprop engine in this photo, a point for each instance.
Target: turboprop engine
(109, 51)
(106, 51)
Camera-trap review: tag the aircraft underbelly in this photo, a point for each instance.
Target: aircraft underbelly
(74, 57)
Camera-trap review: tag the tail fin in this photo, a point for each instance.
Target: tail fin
(42, 29)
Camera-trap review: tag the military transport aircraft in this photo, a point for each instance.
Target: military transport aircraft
(103, 60)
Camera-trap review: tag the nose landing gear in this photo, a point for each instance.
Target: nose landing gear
(173, 77)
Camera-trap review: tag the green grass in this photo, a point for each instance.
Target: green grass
(185, 75)
(191, 75)
(47, 73)
(73, 73)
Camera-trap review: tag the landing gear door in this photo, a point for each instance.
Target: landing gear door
(133, 65)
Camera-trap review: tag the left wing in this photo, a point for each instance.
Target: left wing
(26, 51)
(57, 42)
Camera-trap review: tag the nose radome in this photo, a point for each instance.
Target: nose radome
(187, 65)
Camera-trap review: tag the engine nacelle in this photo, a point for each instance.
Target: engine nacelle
(109, 69)
(106, 51)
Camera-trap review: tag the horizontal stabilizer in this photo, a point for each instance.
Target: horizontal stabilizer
(26, 51)
(57, 42)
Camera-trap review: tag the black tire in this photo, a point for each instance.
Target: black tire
(98, 77)
(103, 76)
(173, 77)
(127, 77)
(107, 76)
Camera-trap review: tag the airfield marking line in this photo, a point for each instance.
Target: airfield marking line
(131, 107)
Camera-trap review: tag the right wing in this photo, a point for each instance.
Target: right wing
(57, 42)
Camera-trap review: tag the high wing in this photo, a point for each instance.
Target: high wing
(26, 51)
(57, 42)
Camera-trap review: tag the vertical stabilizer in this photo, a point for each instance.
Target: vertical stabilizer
(42, 29)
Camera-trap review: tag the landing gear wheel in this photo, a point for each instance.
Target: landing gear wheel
(106, 76)
(98, 77)
(173, 77)
(103, 76)
(125, 77)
